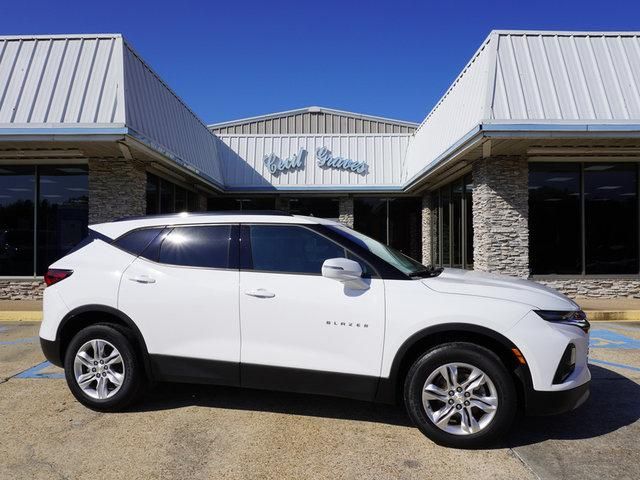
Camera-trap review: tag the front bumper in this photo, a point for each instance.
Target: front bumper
(555, 402)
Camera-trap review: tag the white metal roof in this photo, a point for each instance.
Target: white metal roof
(96, 84)
(312, 109)
(559, 80)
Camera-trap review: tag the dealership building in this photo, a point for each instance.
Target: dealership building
(528, 165)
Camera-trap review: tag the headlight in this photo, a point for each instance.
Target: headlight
(577, 318)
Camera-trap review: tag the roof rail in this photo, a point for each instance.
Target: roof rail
(281, 213)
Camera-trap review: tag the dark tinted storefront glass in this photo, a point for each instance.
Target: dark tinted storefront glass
(167, 196)
(611, 215)
(17, 194)
(315, 207)
(435, 228)
(227, 203)
(445, 199)
(468, 202)
(181, 199)
(405, 226)
(456, 230)
(153, 194)
(554, 218)
(370, 217)
(62, 212)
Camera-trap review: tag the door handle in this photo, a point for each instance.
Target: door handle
(143, 279)
(260, 293)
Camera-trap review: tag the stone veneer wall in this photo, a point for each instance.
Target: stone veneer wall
(500, 216)
(427, 231)
(595, 287)
(345, 211)
(30, 289)
(117, 188)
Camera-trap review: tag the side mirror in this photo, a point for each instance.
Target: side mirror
(345, 271)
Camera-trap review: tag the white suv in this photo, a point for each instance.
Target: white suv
(275, 301)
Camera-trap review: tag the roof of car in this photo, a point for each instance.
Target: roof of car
(118, 227)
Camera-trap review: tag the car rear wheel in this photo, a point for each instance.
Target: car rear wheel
(460, 395)
(102, 368)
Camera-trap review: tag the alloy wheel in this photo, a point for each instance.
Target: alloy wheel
(460, 399)
(98, 369)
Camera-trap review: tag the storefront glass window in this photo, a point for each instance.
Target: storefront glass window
(34, 234)
(554, 218)
(405, 226)
(370, 217)
(17, 195)
(63, 208)
(453, 224)
(393, 221)
(164, 196)
(583, 218)
(611, 218)
(468, 220)
(315, 207)
(227, 203)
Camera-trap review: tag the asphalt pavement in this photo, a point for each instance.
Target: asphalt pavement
(198, 432)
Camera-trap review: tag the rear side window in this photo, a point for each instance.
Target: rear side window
(290, 249)
(136, 241)
(202, 246)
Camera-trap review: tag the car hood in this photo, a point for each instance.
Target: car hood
(480, 284)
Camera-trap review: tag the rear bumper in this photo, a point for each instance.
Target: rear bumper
(553, 403)
(51, 350)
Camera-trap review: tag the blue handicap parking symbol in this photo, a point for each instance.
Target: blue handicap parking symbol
(36, 372)
(609, 339)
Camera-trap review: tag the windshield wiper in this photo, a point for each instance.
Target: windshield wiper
(426, 272)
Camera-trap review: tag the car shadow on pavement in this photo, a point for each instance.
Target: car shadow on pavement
(171, 396)
(614, 403)
(604, 411)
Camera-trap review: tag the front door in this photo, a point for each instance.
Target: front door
(300, 330)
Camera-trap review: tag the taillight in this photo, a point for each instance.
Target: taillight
(54, 275)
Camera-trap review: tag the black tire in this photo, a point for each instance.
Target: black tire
(477, 356)
(134, 378)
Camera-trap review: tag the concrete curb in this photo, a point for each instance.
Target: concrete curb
(20, 316)
(613, 315)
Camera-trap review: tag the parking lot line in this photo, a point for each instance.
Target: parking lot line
(19, 340)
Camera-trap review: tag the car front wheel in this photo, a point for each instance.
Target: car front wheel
(102, 369)
(460, 395)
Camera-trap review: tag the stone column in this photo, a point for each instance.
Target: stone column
(500, 216)
(427, 231)
(117, 188)
(345, 211)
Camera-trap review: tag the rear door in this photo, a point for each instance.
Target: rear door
(182, 292)
(302, 331)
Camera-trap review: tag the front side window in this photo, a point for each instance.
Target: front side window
(197, 246)
(399, 260)
(290, 249)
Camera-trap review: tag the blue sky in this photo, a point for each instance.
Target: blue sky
(235, 59)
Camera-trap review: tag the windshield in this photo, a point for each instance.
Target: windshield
(405, 264)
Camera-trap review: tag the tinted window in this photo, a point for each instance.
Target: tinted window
(206, 246)
(555, 244)
(290, 249)
(136, 241)
(62, 211)
(611, 214)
